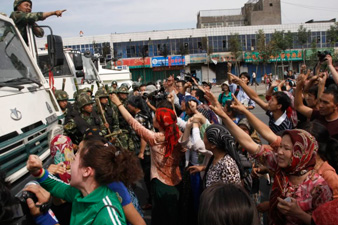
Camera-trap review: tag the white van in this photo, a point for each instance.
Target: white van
(29, 111)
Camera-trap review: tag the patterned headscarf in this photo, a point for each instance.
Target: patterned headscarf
(221, 137)
(61, 149)
(166, 118)
(303, 159)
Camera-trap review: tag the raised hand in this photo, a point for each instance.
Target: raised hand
(237, 104)
(34, 164)
(115, 99)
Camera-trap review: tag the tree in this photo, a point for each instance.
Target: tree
(302, 37)
(280, 45)
(164, 52)
(183, 50)
(314, 55)
(289, 44)
(235, 48)
(263, 49)
(332, 34)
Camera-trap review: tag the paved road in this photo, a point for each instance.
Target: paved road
(140, 188)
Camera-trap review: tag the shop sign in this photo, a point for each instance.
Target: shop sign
(168, 61)
(288, 55)
(134, 63)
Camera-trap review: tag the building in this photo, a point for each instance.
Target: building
(154, 55)
(254, 12)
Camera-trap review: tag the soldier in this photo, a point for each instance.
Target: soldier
(114, 84)
(67, 108)
(62, 98)
(111, 117)
(126, 142)
(77, 126)
(23, 16)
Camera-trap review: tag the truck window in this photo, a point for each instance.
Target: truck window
(88, 68)
(44, 64)
(14, 61)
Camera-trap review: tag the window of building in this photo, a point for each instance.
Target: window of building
(224, 44)
(271, 4)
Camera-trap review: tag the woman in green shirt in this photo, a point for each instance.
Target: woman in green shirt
(93, 168)
(225, 95)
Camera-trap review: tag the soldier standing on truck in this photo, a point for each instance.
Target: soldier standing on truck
(76, 127)
(23, 16)
(126, 142)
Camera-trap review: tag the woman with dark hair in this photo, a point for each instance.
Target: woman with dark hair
(292, 158)
(94, 166)
(166, 154)
(223, 204)
(224, 165)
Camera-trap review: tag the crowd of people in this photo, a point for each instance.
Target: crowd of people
(200, 156)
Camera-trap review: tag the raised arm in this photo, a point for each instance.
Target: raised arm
(243, 138)
(250, 92)
(332, 69)
(256, 123)
(321, 84)
(199, 86)
(299, 105)
(57, 13)
(148, 135)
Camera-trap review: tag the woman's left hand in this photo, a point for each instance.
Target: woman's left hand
(289, 208)
(115, 99)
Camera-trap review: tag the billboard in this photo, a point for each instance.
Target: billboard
(168, 61)
(134, 63)
(288, 55)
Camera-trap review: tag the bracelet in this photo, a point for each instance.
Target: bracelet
(119, 105)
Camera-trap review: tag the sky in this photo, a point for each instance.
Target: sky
(98, 17)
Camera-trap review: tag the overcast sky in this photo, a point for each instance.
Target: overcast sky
(96, 17)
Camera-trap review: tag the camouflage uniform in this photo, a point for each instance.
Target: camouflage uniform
(22, 19)
(124, 138)
(63, 96)
(80, 122)
(111, 117)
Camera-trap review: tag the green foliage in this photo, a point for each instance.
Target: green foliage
(235, 46)
(303, 35)
(332, 34)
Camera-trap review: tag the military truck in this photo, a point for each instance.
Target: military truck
(77, 72)
(29, 111)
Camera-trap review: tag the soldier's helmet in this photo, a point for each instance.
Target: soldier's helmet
(135, 85)
(83, 99)
(111, 90)
(114, 82)
(123, 90)
(18, 2)
(101, 93)
(61, 95)
(87, 89)
(125, 85)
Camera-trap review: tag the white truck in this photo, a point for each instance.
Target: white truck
(78, 69)
(108, 73)
(29, 111)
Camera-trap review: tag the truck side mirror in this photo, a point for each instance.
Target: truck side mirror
(77, 59)
(55, 50)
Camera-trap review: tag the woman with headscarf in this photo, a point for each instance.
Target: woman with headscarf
(292, 158)
(224, 165)
(166, 154)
